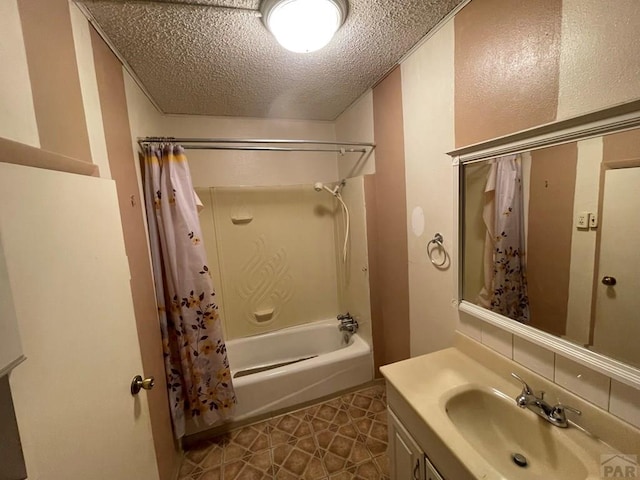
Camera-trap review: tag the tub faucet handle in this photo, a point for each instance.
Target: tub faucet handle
(347, 323)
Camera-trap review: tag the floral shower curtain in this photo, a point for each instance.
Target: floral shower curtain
(505, 284)
(198, 376)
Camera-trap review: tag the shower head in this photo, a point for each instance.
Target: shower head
(319, 186)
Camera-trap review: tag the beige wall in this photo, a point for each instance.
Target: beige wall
(353, 276)
(210, 239)
(506, 67)
(474, 230)
(18, 119)
(621, 146)
(237, 168)
(144, 118)
(428, 115)
(600, 55)
(55, 82)
(551, 194)
(89, 90)
(356, 124)
(557, 59)
(385, 194)
(583, 241)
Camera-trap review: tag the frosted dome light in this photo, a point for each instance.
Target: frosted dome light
(303, 26)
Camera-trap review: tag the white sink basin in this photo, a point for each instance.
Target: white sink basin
(498, 429)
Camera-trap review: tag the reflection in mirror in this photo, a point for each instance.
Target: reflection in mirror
(551, 239)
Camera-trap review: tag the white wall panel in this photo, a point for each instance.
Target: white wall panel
(427, 99)
(89, 89)
(18, 119)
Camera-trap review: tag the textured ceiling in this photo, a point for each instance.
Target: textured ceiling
(195, 59)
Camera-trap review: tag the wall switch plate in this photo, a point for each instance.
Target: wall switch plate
(582, 220)
(593, 220)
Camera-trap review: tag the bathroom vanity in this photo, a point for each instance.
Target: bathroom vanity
(453, 416)
(408, 460)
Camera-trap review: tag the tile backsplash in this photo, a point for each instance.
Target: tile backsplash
(583, 381)
(619, 399)
(624, 402)
(534, 357)
(498, 340)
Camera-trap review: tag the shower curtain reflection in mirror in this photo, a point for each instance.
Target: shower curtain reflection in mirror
(505, 285)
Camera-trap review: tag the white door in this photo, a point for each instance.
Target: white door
(69, 276)
(616, 322)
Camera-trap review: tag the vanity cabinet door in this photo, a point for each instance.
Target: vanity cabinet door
(407, 460)
(431, 472)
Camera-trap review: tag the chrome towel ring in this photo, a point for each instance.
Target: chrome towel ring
(438, 240)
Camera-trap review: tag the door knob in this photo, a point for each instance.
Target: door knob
(139, 383)
(609, 281)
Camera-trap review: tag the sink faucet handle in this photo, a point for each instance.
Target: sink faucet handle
(558, 416)
(560, 408)
(525, 387)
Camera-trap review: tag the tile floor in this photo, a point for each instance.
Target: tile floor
(344, 438)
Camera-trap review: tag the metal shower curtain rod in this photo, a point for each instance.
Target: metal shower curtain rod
(277, 145)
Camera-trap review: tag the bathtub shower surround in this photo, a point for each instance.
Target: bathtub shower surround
(341, 438)
(295, 365)
(196, 364)
(277, 254)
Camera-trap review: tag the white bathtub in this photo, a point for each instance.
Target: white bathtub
(336, 366)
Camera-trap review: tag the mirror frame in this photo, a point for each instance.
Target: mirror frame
(612, 120)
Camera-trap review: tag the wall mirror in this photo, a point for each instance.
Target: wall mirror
(550, 240)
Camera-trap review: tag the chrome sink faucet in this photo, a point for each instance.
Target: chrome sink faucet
(555, 415)
(347, 323)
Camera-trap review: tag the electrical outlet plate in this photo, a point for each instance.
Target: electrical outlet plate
(582, 220)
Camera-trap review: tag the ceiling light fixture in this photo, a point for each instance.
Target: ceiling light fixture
(303, 26)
